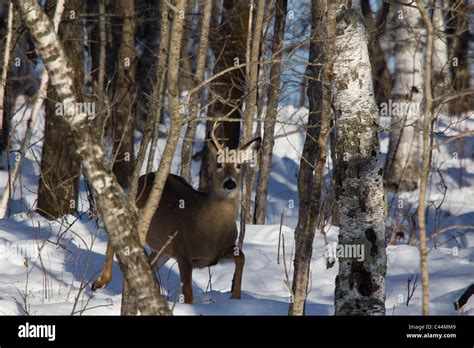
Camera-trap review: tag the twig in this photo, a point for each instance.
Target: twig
(279, 235)
(415, 285)
(168, 242)
(449, 228)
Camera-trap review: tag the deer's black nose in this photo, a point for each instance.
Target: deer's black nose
(230, 184)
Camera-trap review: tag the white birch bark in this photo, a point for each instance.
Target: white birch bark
(360, 284)
(441, 73)
(407, 94)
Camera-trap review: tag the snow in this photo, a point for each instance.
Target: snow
(47, 266)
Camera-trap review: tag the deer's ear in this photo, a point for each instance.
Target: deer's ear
(253, 144)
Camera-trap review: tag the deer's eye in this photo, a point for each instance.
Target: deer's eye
(238, 165)
(219, 165)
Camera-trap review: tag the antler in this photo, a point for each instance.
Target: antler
(219, 146)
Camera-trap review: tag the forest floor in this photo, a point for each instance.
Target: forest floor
(64, 257)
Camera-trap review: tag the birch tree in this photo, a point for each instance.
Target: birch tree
(425, 170)
(360, 284)
(441, 73)
(117, 212)
(402, 168)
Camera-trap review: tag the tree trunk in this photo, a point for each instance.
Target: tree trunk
(402, 167)
(148, 23)
(459, 43)
(6, 50)
(265, 157)
(25, 143)
(228, 42)
(255, 37)
(148, 211)
(187, 150)
(441, 73)
(118, 214)
(159, 87)
(360, 284)
(380, 73)
(129, 304)
(60, 166)
(185, 62)
(124, 96)
(425, 170)
(311, 176)
(229, 48)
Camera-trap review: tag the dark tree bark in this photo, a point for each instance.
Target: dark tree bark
(117, 212)
(60, 166)
(311, 176)
(266, 152)
(229, 45)
(148, 23)
(458, 26)
(228, 42)
(124, 96)
(380, 73)
(187, 57)
(5, 53)
(146, 214)
(156, 103)
(253, 53)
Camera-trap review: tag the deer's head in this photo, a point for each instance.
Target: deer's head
(225, 165)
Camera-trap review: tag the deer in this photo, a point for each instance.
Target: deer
(197, 229)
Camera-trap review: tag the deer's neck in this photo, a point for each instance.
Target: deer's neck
(224, 205)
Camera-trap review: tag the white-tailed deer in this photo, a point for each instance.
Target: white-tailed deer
(205, 221)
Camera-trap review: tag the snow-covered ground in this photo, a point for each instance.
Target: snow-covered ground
(63, 257)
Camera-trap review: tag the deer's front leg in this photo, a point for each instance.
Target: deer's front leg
(239, 259)
(186, 275)
(106, 274)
